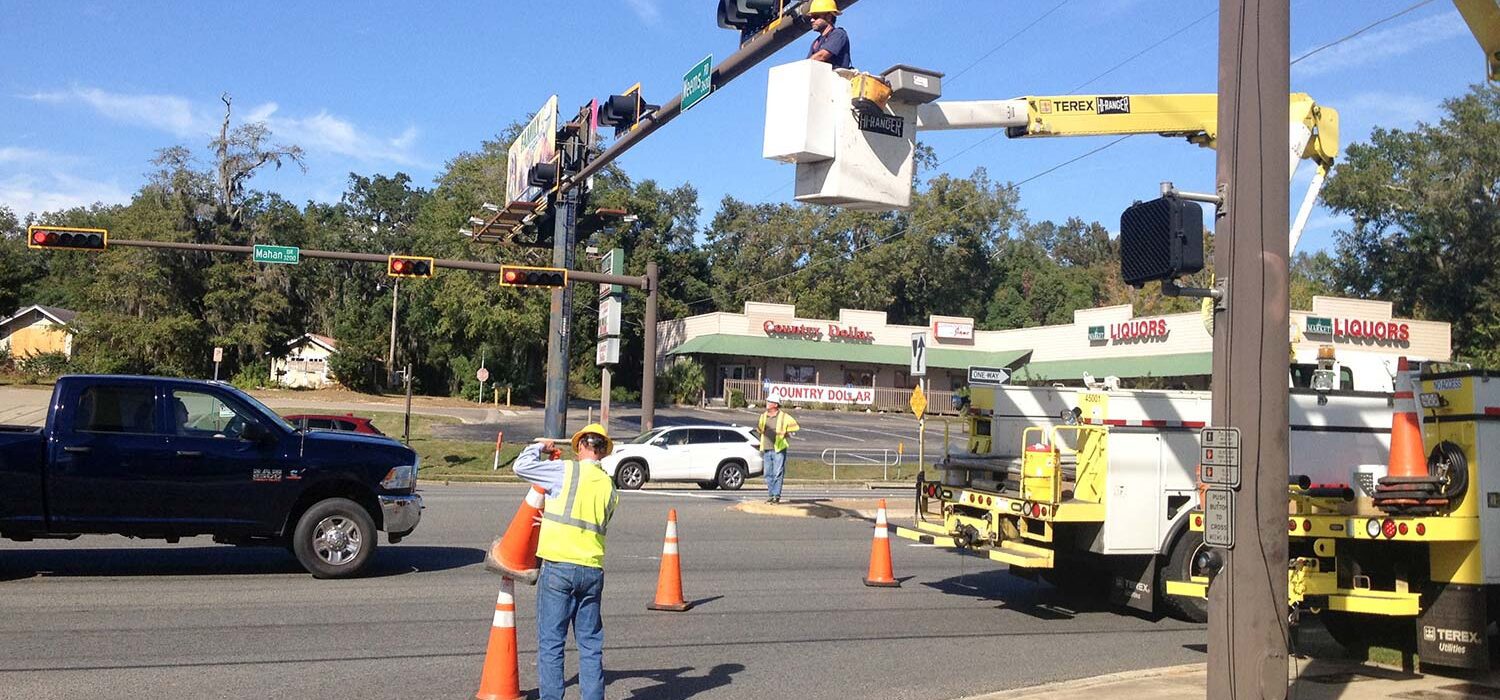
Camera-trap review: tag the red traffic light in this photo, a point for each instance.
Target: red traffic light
(67, 238)
(409, 266)
(522, 276)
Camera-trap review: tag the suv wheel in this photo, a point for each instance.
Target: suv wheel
(335, 538)
(631, 475)
(731, 476)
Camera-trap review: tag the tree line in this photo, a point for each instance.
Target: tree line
(1422, 204)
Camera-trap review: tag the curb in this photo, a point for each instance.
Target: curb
(1091, 683)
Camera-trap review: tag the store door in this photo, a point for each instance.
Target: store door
(729, 372)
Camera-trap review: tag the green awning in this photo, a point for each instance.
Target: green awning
(797, 349)
(1180, 365)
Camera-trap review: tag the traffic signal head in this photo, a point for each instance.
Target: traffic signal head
(748, 16)
(1160, 240)
(408, 266)
(623, 111)
(544, 175)
(523, 276)
(66, 238)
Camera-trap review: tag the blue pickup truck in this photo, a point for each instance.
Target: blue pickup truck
(153, 457)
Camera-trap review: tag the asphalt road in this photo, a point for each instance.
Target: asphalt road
(845, 430)
(781, 613)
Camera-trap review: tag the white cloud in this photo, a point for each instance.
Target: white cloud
(328, 133)
(1381, 44)
(168, 113)
(181, 117)
(647, 10)
(27, 193)
(17, 154)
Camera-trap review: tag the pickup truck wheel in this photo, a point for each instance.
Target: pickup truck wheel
(335, 538)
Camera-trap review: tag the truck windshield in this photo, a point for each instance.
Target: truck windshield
(261, 409)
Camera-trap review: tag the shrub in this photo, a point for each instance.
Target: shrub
(682, 382)
(40, 366)
(736, 398)
(253, 375)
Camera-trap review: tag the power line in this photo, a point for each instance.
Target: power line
(1008, 39)
(1138, 54)
(1360, 31)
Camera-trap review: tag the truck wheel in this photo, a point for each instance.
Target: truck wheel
(731, 476)
(335, 538)
(1179, 567)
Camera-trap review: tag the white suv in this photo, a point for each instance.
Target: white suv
(714, 456)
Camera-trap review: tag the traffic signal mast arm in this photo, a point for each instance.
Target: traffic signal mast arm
(1313, 134)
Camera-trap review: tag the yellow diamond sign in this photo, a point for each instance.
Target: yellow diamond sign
(918, 401)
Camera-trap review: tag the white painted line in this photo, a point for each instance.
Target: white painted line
(920, 544)
(687, 494)
(837, 435)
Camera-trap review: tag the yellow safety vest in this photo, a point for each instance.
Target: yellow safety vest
(574, 522)
(784, 423)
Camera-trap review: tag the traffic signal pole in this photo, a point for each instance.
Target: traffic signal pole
(647, 284)
(555, 413)
(1247, 601)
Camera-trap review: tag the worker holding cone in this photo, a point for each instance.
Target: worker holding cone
(580, 500)
(669, 577)
(880, 573)
(500, 680)
(514, 554)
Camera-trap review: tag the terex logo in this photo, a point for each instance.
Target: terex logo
(1113, 105)
(1440, 634)
(1074, 105)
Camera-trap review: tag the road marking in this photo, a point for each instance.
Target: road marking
(689, 494)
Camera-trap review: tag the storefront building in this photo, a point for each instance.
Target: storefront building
(769, 344)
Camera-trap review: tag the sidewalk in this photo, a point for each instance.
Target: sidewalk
(1311, 679)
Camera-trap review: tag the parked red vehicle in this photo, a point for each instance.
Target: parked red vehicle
(347, 422)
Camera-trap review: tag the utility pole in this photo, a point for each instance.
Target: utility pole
(406, 429)
(555, 417)
(648, 364)
(1247, 600)
(390, 359)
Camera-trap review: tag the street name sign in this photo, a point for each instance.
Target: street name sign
(279, 254)
(698, 83)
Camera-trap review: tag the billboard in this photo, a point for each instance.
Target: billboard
(536, 144)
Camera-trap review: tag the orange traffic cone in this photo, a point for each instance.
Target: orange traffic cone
(1407, 459)
(514, 555)
(880, 574)
(669, 580)
(500, 679)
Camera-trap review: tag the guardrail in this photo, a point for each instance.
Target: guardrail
(884, 458)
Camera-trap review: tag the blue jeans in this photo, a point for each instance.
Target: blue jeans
(569, 594)
(774, 463)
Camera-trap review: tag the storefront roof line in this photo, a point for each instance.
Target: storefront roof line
(1179, 365)
(796, 349)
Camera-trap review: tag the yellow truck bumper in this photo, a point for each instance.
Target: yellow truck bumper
(1009, 552)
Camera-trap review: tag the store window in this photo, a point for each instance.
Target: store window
(859, 377)
(801, 374)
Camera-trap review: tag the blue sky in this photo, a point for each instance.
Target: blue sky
(92, 89)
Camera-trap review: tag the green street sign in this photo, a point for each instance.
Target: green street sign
(698, 83)
(1318, 325)
(280, 254)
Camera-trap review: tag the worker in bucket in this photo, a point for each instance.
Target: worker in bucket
(832, 44)
(775, 426)
(580, 502)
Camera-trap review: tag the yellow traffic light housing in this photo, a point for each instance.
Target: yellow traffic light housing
(66, 238)
(525, 276)
(409, 266)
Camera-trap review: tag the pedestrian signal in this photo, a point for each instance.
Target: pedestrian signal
(1160, 240)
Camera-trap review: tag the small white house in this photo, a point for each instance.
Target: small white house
(37, 329)
(305, 364)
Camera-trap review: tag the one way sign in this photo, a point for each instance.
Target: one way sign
(918, 354)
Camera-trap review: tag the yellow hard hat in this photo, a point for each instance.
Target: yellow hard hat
(595, 428)
(820, 7)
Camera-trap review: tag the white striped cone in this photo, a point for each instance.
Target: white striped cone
(669, 579)
(880, 573)
(500, 679)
